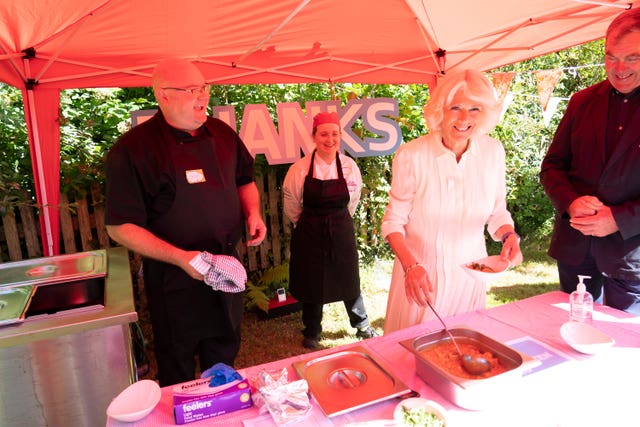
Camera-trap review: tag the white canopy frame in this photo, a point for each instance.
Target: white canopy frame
(51, 45)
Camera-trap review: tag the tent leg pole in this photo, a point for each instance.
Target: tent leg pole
(41, 181)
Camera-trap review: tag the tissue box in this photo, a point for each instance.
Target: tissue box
(195, 400)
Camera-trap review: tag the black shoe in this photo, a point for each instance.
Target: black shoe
(366, 333)
(310, 343)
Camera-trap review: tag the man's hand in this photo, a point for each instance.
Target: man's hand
(257, 230)
(185, 258)
(601, 224)
(250, 201)
(584, 206)
(145, 243)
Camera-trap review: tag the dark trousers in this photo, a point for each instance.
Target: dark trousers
(312, 316)
(617, 293)
(176, 363)
(568, 275)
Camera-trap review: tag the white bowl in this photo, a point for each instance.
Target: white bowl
(418, 403)
(135, 402)
(585, 338)
(496, 267)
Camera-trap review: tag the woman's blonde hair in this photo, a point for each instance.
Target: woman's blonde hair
(474, 85)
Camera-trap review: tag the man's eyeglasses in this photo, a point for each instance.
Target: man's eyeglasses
(204, 89)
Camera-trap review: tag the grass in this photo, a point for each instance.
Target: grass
(273, 339)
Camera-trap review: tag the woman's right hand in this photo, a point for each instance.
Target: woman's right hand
(417, 285)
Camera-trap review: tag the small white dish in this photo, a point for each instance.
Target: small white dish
(487, 268)
(135, 402)
(419, 403)
(585, 338)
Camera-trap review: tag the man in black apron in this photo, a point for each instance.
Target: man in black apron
(324, 256)
(167, 180)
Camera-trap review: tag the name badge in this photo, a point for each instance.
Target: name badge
(195, 176)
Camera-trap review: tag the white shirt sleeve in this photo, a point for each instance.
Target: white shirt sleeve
(401, 194)
(500, 215)
(292, 189)
(352, 175)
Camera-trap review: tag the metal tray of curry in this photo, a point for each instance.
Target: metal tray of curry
(468, 392)
(349, 380)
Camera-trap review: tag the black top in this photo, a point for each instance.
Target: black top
(141, 180)
(184, 190)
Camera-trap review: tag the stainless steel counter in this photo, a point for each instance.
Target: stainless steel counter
(64, 369)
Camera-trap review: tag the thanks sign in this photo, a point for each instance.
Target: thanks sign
(369, 127)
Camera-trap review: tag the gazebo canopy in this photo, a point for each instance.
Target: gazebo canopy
(49, 45)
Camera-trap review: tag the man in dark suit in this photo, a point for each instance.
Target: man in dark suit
(591, 173)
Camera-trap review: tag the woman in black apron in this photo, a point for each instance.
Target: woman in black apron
(324, 257)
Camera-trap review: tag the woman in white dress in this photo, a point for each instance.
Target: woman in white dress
(446, 187)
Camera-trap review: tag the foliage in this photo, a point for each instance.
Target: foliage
(15, 163)
(262, 286)
(376, 171)
(92, 119)
(525, 142)
(526, 138)
(582, 66)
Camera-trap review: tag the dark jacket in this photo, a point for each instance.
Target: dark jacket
(575, 165)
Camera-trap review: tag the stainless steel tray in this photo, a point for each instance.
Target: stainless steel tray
(348, 380)
(468, 393)
(55, 269)
(14, 302)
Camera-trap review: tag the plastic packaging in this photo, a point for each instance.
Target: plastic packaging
(287, 402)
(581, 302)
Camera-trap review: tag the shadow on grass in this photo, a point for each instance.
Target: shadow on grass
(505, 294)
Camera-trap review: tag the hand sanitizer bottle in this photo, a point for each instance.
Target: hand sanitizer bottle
(581, 302)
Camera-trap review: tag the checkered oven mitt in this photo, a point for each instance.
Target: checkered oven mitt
(221, 272)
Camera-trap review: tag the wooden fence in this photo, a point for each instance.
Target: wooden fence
(82, 228)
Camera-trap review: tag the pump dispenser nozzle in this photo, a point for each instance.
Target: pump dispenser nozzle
(581, 286)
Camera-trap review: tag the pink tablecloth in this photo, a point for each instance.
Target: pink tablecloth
(574, 390)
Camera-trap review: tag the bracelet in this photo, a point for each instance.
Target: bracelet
(412, 266)
(506, 235)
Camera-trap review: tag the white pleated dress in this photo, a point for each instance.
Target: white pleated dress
(442, 207)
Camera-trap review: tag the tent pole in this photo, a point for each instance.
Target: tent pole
(268, 37)
(41, 178)
(626, 6)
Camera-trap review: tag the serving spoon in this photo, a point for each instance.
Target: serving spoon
(473, 365)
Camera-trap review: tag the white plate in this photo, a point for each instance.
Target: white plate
(585, 338)
(416, 403)
(135, 402)
(494, 262)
